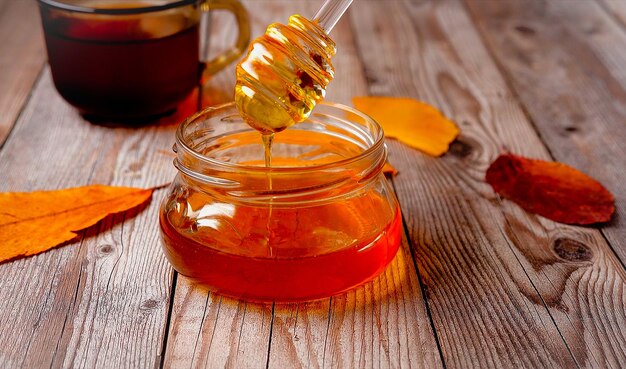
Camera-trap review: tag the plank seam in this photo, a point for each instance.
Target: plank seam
(170, 311)
(269, 344)
(36, 82)
(506, 78)
(204, 315)
(39, 318)
(106, 289)
(511, 88)
(611, 15)
(330, 305)
(543, 302)
(243, 319)
(404, 225)
(73, 305)
(83, 237)
(423, 288)
(606, 239)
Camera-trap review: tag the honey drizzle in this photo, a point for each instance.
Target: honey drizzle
(268, 139)
(284, 75)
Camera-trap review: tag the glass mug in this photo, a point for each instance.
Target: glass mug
(126, 59)
(320, 221)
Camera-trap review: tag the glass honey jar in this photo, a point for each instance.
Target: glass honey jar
(321, 220)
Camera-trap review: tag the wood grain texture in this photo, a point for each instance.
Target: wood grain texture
(380, 325)
(566, 63)
(616, 9)
(208, 330)
(211, 331)
(22, 55)
(101, 300)
(506, 288)
(383, 324)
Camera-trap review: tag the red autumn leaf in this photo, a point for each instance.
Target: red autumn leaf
(553, 190)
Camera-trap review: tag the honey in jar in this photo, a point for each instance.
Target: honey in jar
(321, 220)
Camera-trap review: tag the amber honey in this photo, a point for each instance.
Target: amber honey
(321, 220)
(299, 257)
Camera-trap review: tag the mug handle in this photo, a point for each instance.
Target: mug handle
(243, 38)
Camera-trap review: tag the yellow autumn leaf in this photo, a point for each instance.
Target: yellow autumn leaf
(415, 123)
(34, 222)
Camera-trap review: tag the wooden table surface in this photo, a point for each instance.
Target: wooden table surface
(478, 281)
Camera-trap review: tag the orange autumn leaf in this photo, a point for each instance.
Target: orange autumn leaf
(415, 123)
(553, 190)
(34, 222)
(390, 170)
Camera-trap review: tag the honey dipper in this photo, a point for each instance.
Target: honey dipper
(286, 71)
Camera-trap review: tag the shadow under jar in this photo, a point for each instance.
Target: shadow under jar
(320, 221)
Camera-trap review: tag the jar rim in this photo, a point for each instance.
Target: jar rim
(376, 134)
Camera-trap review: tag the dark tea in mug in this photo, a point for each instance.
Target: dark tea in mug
(123, 65)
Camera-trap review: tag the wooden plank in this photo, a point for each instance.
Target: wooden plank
(580, 117)
(616, 8)
(502, 287)
(565, 61)
(22, 55)
(208, 330)
(590, 24)
(211, 331)
(103, 298)
(383, 324)
(586, 130)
